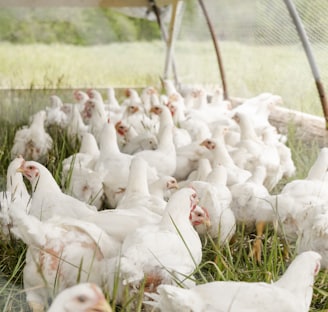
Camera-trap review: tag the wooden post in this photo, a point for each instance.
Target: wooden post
(170, 39)
(217, 50)
(307, 47)
(164, 35)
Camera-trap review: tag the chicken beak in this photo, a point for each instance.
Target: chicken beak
(21, 168)
(173, 185)
(152, 110)
(207, 220)
(101, 306)
(207, 223)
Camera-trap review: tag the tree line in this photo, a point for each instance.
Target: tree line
(259, 21)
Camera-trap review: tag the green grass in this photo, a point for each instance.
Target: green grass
(229, 262)
(250, 70)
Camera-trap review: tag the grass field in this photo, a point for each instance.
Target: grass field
(250, 71)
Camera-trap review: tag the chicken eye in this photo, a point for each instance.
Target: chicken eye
(82, 298)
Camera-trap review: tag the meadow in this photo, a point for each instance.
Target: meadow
(249, 69)
(29, 74)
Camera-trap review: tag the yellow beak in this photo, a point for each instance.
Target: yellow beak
(101, 306)
(20, 169)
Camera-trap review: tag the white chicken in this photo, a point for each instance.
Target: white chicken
(85, 158)
(56, 114)
(112, 103)
(181, 137)
(164, 187)
(48, 200)
(114, 165)
(291, 293)
(197, 129)
(61, 252)
(75, 127)
(78, 177)
(149, 97)
(33, 142)
(250, 151)
(137, 199)
(259, 109)
(94, 111)
(216, 197)
(251, 206)
(82, 297)
(134, 115)
(81, 98)
(301, 200)
(16, 191)
(163, 253)
(209, 114)
(318, 170)
(130, 142)
(218, 154)
(200, 173)
(86, 185)
(136, 206)
(163, 159)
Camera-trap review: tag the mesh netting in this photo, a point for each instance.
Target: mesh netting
(266, 45)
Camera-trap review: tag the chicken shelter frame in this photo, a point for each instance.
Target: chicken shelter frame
(169, 37)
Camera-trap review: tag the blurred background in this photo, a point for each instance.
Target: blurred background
(80, 47)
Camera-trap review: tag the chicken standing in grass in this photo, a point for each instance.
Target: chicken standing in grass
(33, 142)
(291, 293)
(163, 253)
(251, 206)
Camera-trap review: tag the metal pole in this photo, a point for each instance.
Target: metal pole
(307, 47)
(164, 35)
(217, 50)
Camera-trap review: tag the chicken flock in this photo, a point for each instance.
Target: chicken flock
(152, 176)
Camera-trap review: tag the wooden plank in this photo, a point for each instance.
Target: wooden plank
(308, 128)
(80, 3)
(171, 36)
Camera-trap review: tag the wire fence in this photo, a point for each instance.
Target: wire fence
(269, 46)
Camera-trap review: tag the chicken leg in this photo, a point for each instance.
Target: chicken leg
(257, 246)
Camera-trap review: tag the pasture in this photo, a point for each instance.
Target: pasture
(59, 69)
